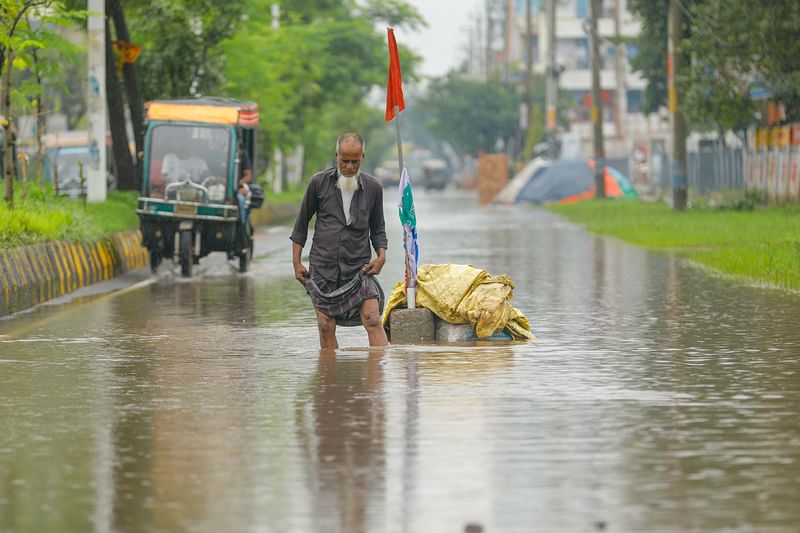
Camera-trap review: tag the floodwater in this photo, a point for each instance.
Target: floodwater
(655, 398)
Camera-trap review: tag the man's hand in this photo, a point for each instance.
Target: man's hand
(300, 273)
(374, 267)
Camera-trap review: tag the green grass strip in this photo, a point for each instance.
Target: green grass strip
(41, 217)
(761, 246)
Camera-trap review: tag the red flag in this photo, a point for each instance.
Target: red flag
(394, 90)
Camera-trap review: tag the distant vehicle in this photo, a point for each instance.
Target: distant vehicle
(388, 174)
(435, 174)
(188, 206)
(64, 153)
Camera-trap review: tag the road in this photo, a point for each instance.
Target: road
(656, 398)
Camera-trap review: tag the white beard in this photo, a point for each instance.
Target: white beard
(347, 184)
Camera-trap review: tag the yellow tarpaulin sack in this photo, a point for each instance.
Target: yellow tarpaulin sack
(463, 294)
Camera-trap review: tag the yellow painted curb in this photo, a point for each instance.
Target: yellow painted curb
(30, 275)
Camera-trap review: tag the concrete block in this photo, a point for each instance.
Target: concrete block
(447, 332)
(407, 326)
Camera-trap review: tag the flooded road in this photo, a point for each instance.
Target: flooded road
(655, 398)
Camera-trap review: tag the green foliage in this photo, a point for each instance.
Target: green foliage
(651, 56)
(734, 44)
(470, 114)
(41, 217)
(536, 131)
(310, 76)
(181, 44)
(759, 245)
(30, 29)
(729, 46)
(394, 13)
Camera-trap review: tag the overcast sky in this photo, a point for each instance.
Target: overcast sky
(443, 42)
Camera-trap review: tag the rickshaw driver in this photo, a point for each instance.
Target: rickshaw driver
(182, 162)
(245, 178)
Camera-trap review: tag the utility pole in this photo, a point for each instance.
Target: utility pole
(528, 66)
(96, 101)
(621, 92)
(279, 160)
(489, 38)
(597, 112)
(507, 40)
(674, 69)
(551, 91)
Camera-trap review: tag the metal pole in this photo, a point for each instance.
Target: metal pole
(528, 66)
(278, 157)
(597, 115)
(410, 291)
(96, 101)
(674, 69)
(508, 38)
(489, 35)
(551, 93)
(399, 141)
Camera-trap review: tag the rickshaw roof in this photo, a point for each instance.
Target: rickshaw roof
(209, 109)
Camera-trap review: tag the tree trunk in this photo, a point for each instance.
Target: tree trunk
(135, 102)
(8, 141)
(41, 122)
(125, 171)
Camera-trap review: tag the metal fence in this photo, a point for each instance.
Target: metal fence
(713, 168)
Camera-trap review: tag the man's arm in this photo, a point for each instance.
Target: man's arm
(300, 272)
(377, 225)
(308, 207)
(300, 232)
(377, 235)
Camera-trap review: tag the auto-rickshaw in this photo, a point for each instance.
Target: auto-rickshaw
(192, 162)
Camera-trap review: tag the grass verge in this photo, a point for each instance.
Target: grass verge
(290, 196)
(761, 246)
(42, 217)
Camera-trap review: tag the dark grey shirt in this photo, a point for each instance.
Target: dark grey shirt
(339, 250)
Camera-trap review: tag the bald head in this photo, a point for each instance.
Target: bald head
(350, 140)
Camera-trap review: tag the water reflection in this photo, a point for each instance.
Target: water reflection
(342, 429)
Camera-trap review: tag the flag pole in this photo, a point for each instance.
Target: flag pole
(399, 141)
(410, 291)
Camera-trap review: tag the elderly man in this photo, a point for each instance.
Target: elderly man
(348, 205)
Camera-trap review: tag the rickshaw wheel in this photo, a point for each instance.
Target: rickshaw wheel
(186, 254)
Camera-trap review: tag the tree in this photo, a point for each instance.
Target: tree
(651, 51)
(312, 74)
(20, 36)
(123, 163)
(180, 42)
(131, 77)
(734, 45)
(730, 46)
(471, 115)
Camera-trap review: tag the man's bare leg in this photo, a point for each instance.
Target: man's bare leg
(371, 318)
(327, 331)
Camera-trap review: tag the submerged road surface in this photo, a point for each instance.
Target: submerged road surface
(655, 398)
